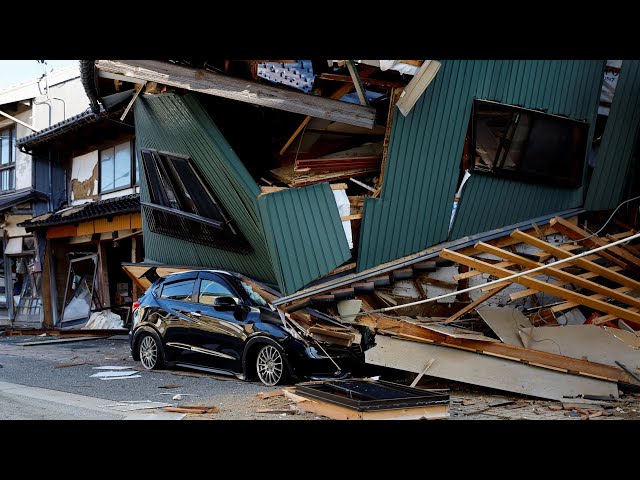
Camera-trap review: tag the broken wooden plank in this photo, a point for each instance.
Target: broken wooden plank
(485, 370)
(542, 286)
(559, 274)
(576, 233)
(418, 84)
(581, 262)
(355, 216)
(357, 83)
(395, 95)
(363, 185)
(475, 303)
(421, 374)
(273, 393)
(215, 84)
(139, 88)
(192, 409)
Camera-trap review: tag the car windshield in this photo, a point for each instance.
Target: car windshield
(253, 295)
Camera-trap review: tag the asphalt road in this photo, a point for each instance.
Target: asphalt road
(67, 368)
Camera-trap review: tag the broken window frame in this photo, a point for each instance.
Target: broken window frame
(575, 159)
(173, 212)
(134, 177)
(93, 293)
(8, 168)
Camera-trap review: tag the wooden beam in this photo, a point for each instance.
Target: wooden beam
(567, 305)
(581, 262)
(339, 93)
(475, 304)
(576, 233)
(219, 85)
(14, 119)
(419, 287)
(418, 84)
(355, 216)
(560, 283)
(424, 370)
(357, 83)
(473, 273)
(559, 274)
(364, 79)
(133, 99)
(393, 99)
(543, 287)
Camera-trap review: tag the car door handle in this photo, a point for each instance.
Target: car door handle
(195, 314)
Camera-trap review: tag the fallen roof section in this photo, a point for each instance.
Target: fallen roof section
(210, 83)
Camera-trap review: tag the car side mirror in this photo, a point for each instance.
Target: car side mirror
(225, 303)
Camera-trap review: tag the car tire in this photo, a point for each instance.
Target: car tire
(271, 365)
(150, 352)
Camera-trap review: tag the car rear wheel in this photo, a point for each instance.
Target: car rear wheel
(150, 352)
(270, 364)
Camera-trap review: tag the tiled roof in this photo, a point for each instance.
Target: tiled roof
(86, 211)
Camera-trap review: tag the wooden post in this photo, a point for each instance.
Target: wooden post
(103, 273)
(134, 259)
(47, 299)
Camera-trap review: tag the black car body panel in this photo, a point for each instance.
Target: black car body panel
(195, 330)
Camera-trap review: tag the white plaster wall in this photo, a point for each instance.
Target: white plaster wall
(23, 161)
(82, 169)
(75, 101)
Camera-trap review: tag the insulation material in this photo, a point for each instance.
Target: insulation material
(104, 320)
(78, 307)
(609, 83)
(344, 208)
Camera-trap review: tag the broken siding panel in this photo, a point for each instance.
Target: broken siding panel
(607, 184)
(425, 151)
(305, 234)
(179, 124)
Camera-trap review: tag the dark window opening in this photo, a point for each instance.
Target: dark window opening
(528, 145)
(182, 206)
(7, 159)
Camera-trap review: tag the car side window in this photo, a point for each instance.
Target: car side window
(210, 289)
(178, 290)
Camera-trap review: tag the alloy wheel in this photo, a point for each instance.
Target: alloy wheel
(148, 352)
(270, 365)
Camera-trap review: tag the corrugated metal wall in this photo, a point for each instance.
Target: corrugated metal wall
(304, 234)
(618, 141)
(179, 124)
(425, 151)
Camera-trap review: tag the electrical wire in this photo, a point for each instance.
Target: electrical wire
(605, 223)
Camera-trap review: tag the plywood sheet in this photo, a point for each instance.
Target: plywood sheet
(484, 370)
(589, 342)
(505, 323)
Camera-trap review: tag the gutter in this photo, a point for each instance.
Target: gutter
(89, 82)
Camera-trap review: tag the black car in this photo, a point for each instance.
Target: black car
(214, 321)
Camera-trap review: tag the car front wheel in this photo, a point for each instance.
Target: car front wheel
(270, 364)
(150, 352)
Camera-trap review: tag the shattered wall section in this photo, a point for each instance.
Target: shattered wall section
(425, 152)
(84, 178)
(304, 233)
(178, 124)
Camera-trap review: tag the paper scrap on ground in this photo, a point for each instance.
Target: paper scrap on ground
(121, 378)
(155, 416)
(119, 373)
(111, 368)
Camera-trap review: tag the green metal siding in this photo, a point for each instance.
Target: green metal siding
(618, 142)
(304, 234)
(179, 124)
(425, 151)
